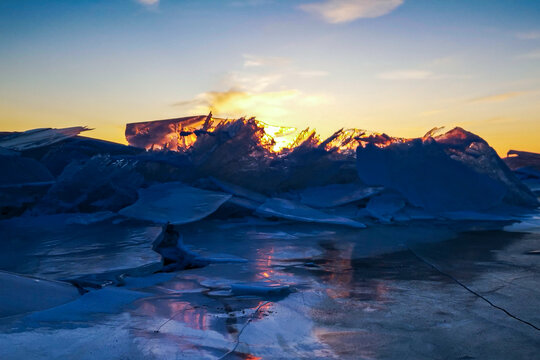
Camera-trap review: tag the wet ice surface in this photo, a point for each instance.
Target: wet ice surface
(309, 291)
(65, 246)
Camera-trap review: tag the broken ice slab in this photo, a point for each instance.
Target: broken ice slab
(71, 246)
(23, 181)
(410, 213)
(383, 207)
(336, 194)
(260, 289)
(7, 152)
(530, 176)
(172, 134)
(519, 159)
(99, 184)
(22, 294)
(476, 154)
(38, 137)
(478, 216)
(239, 191)
(174, 203)
(529, 223)
(243, 203)
(79, 148)
(427, 177)
(18, 170)
(451, 172)
(287, 209)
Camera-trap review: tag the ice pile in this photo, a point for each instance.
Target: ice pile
(450, 172)
(526, 166)
(82, 211)
(182, 170)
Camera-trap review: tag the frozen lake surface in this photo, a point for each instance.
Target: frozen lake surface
(282, 290)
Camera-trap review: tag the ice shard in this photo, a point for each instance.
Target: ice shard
(23, 182)
(451, 172)
(174, 203)
(526, 166)
(384, 206)
(99, 184)
(172, 134)
(22, 171)
(336, 194)
(251, 154)
(476, 154)
(38, 137)
(287, 209)
(239, 191)
(522, 159)
(79, 148)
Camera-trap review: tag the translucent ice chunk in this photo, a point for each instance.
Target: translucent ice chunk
(291, 210)
(174, 203)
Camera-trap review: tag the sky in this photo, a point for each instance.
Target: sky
(396, 66)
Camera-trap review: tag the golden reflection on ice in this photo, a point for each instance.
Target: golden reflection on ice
(182, 311)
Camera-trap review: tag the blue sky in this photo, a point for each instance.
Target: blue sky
(398, 66)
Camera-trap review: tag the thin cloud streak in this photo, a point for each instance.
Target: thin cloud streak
(251, 82)
(407, 75)
(343, 11)
(530, 56)
(245, 3)
(148, 2)
(313, 73)
(531, 35)
(264, 61)
(268, 106)
(414, 74)
(497, 97)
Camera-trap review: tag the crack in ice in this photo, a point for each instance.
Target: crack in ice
(472, 291)
(237, 342)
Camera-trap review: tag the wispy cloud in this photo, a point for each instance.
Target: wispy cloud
(531, 35)
(243, 3)
(407, 75)
(269, 106)
(312, 73)
(262, 61)
(497, 97)
(533, 55)
(342, 11)
(148, 2)
(235, 103)
(250, 81)
(416, 74)
(445, 60)
(256, 91)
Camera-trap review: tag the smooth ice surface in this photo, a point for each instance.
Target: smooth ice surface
(69, 246)
(336, 195)
(21, 294)
(174, 203)
(291, 210)
(369, 294)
